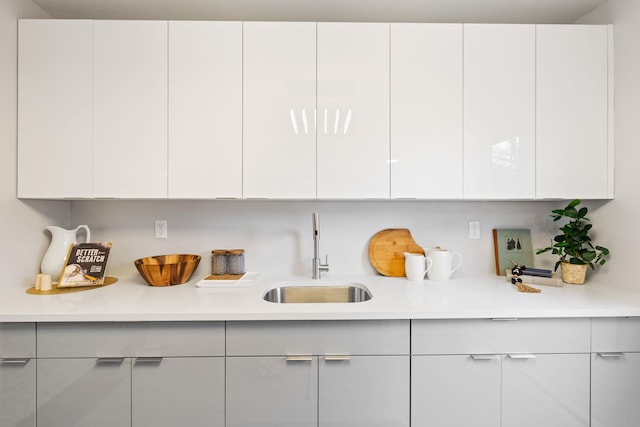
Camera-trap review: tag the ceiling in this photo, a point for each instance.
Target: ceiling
(505, 11)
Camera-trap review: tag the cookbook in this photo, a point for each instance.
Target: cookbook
(86, 265)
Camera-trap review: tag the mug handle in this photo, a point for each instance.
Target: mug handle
(88, 232)
(453, 254)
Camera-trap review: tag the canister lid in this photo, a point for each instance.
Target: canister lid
(219, 252)
(236, 251)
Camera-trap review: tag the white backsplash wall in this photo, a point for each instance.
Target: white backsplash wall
(277, 235)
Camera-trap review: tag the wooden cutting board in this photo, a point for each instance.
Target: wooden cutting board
(387, 248)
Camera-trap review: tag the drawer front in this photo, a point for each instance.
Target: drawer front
(615, 334)
(489, 336)
(130, 339)
(17, 340)
(366, 337)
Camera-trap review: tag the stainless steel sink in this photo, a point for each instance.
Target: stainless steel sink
(314, 292)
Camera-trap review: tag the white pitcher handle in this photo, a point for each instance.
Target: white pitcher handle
(87, 231)
(454, 254)
(428, 263)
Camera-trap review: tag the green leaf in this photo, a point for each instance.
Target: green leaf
(573, 203)
(571, 212)
(589, 256)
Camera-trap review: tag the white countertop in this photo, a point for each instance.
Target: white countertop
(130, 299)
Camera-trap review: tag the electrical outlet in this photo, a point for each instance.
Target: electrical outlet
(474, 230)
(161, 228)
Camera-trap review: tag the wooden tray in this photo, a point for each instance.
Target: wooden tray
(387, 248)
(109, 280)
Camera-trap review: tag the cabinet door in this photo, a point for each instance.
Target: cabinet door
(363, 391)
(279, 154)
(84, 392)
(54, 108)
(574, 156)
(272, 391)
(615, 389)
(499, 111)
(130, 109)
(205, 109)
(545, 390)
(353, 110)
(18, 392)
(456, 390)
(426, 111)
(185, 391)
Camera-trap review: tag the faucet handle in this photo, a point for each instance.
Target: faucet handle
(325, 266)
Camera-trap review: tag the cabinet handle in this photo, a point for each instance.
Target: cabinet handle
(12, 361)
(504, 319)
(522, 356)
(484, 356)
(110, 360)
(611, 355)
(299, 358)
(336, 357)
(148, 359)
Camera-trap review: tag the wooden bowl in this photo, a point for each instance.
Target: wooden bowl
(167, 270)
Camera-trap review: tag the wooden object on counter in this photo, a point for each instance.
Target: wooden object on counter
(387, 248)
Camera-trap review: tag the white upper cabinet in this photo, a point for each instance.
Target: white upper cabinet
(426, 111)
(353, 110)
(574, 156)
(54, 108)
(305, 110)
(279, 154)
(205, 110)
(130, 109)
(499, 111)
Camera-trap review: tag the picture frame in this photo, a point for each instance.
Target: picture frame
(512, 247)
(85, 265)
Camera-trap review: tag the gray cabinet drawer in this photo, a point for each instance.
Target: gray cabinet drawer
(17, 340)
(130, 339)
(485, 336)
(366, 337)
(616, 334)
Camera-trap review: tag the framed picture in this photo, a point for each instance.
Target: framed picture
(86, 265)
(512, 246)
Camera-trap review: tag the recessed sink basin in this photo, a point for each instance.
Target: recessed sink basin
(313, 292)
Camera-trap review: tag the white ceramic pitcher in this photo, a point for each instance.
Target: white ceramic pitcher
(442, 266)
(55, 256)
(416, 266)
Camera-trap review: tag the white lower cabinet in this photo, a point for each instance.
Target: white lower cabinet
(442, 384)
(615, 387)
(545, 390)
(185, 391)
(84, 392)
(272, 391)
(349, 373)
(500, 373)
(615, 372)
(17, 375)
(363, 391)
(131, 374)
(459, 372)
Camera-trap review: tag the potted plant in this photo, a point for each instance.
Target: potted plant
(573, 245)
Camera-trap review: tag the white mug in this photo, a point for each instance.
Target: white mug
(442, 264)
(416, 266)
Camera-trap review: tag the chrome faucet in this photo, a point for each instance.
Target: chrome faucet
(317, 266)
